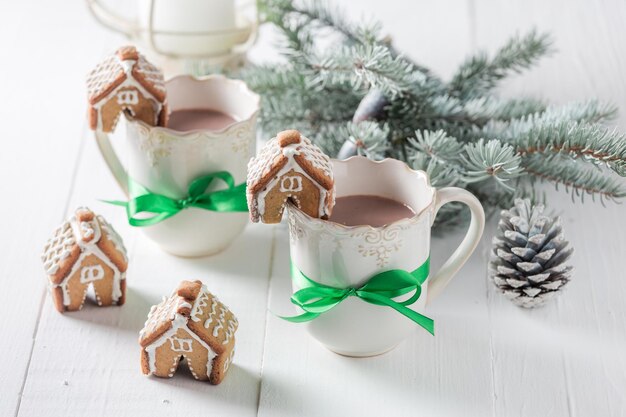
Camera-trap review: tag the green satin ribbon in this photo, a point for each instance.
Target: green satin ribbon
(315, 298)
(231, 199)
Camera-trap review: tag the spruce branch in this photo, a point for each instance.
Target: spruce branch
(484, 109)
(477, 112)
(479, 74)
(590, 111)
(576, 178)
(296, 40)
(265, 79)
(491, 160)
(437, 146)
(313, 15)
(493, 198)
(450, 215)
(278, 114)
(364, 67)
(589, 142)
(440, 175)
(370, 138)
(306, 114)
(460, 132)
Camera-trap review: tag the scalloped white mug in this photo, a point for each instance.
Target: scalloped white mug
(165, 161)
(347, 256)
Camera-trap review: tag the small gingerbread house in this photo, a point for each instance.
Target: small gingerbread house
(192, 324)
(289, 168)
(125, 81)
(85, 250)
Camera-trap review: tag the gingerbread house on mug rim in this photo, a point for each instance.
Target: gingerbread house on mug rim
(84, 251)
(192, 324)
(288, 168)
(125, 81)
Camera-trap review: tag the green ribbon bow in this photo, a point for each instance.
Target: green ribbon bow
(231, 199)
(315, 298)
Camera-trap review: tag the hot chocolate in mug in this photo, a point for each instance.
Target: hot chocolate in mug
(166, 161)
(339, 256)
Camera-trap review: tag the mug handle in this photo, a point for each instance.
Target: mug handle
(111, 20)
(440, 280)
(111, 159)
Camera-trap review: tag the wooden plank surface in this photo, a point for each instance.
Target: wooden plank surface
(589, 59)
(444, 375)
(567, 358)
(87, 363)
(42, 114)
(489, 357)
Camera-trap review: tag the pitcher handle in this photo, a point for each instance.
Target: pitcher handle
(110, 19)
(111, 159)
(441, 278)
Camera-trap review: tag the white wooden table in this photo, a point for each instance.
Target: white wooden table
(489, 358)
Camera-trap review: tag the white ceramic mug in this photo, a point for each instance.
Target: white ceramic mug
(348, 256)
(166, 161)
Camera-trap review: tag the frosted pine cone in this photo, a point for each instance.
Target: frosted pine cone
(527, 260)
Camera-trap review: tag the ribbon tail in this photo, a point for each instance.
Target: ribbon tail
(427, 323)
(300, 318)
(133, 221)
(116, 202)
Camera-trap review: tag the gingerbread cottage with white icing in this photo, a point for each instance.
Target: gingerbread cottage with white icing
(84, 251)
(289, 168)
(125, 81)
(192, 324)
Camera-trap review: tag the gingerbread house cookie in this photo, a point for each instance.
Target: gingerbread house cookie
(125, 81)
(192, 324)
(289, 168)
(85, 250)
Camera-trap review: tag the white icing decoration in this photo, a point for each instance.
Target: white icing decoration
(91, 273)
(290, 151)
(164, 311)
(167, 311)
(101, 78)
(262, 163)
(91, 247)
(113, 236)
(178, 322)
(259, 203)
(180, 345)
(230, 330)
(86, 229)
(209, 320)
(322, 209)
(220, 322)
(58, 248)
(128, 82)
(201, 302)
(126, 64)
(291, 184)
(72, 232)
(127, 97)
(229, 360)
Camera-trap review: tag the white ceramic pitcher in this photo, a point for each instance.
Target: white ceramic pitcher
(166, 161)
(183, 28)
(348, 256)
